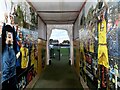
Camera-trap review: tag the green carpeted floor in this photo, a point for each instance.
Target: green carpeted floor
(59, 75)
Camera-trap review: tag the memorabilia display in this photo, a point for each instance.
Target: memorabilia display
(28, 60)
(95, 52)
(19, 50)
(99, 45)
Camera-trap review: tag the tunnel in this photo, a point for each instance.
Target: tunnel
(31, 59)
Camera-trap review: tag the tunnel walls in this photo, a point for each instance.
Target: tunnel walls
(79, 58)
(76, 27)
(42, 42)
(30, 41)
(89, 64)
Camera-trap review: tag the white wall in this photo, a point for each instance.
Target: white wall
(42, 28)
(77, 26)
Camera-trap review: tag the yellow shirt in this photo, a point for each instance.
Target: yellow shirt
(103, 56)
(81, 46)
(91, 45)
(92, 40)
(35, 65)
(102, 49)
(102, 32)
(24, 59)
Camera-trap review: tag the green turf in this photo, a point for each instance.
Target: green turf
(59, 75)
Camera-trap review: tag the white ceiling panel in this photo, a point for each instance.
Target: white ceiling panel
(58, 16)
(60, 11)
(46, 6)
(71, 6)
(57, 6)
(57, 0)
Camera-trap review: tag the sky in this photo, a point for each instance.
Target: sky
(59, 34)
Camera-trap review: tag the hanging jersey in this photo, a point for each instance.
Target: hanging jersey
(24, 58)
(32, 56)
(92, 40)
(18, 61)
(102, 32)
(82, 51)
(91, 46)
(103, 55)
(102, 48)
(81, 47)
(35, 65)
(86, 45)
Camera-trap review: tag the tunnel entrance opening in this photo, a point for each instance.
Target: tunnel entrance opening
(59, 45)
